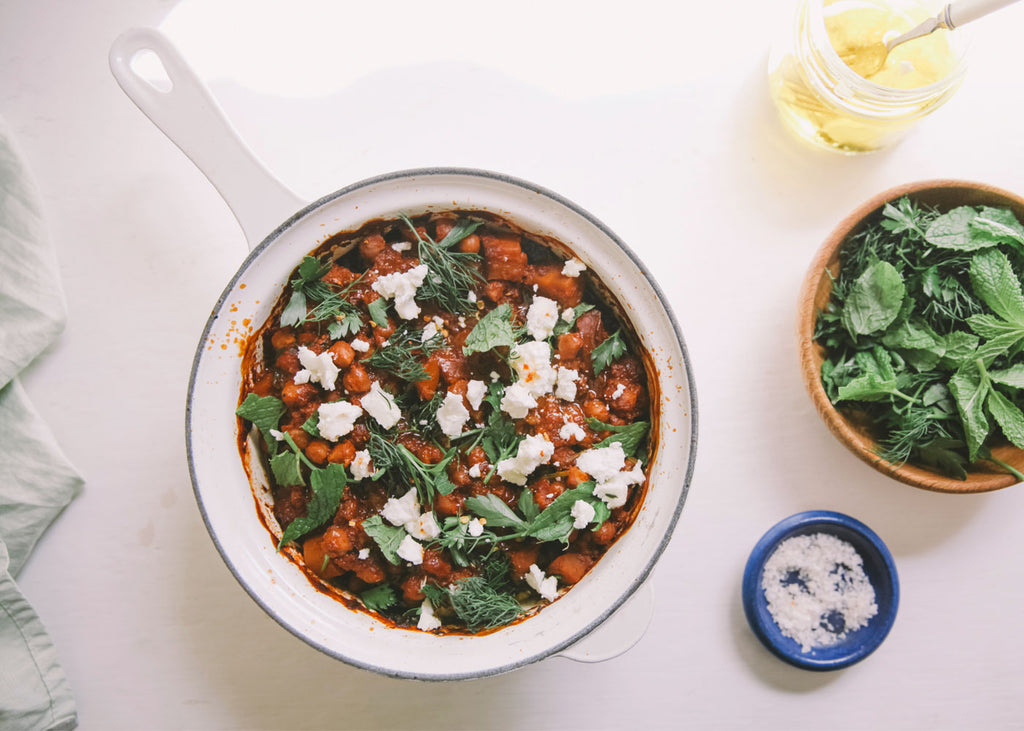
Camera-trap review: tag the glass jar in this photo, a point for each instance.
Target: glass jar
(828, 104)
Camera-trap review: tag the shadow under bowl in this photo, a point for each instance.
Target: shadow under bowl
(878, 566)
(943, 195)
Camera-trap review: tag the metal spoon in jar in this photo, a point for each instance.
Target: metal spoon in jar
(868, 60)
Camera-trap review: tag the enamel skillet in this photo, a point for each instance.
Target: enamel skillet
(281, 229)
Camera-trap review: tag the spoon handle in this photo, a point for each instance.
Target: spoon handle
(964, 11)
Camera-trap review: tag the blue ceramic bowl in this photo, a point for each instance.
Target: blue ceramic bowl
(880, 570)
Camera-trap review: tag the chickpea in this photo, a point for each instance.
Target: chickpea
(596, 409)
(343, 453)
(343, 354)
(470, 244)
(300, 436)
(283, 338)
(297, 394)
(317, 451)
(371, 247)
(356, 379)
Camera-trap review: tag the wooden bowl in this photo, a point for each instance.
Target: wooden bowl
(815, 291)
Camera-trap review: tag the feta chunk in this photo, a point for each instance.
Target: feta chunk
(410, 550)
(278, 436)
(531, 454)
(605, 466)
(573, 268)
(475, 528)
(402, 510)
(517, 400)
(424, 527)
(428, 332)
(427, 621)
(474, 472)
(619, 390)
(317, 368)
(569, 314)
(475, 392)
(471, 296)
(381, 405)
(572, 431)
(615, 490)
(360, 346)
(566, 383)
(541, 318)
(364, 553)
(584, 514)
(337, 419)
(546, 586)
(362, 465)
(401, 287)
(401, 246)
(452, 415)
(532, 363)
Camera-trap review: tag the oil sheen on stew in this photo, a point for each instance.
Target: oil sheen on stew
(453, 423)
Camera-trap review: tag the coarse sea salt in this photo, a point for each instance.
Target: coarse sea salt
(817, 591)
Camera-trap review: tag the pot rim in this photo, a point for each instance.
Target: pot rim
(509, 180)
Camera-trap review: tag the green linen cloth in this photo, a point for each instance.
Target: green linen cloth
(36, 480)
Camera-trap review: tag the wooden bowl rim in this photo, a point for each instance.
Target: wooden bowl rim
(811, 354)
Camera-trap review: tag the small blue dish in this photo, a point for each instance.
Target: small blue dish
(878, 566)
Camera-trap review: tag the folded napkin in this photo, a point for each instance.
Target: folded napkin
(36, 480)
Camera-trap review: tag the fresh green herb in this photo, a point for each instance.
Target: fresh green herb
(630, 436)
(494, 330)
(528, 506)
(312, 425)
(387, 537)
(327, 302)
(328, 486)
(500, 440)
(379, 598)
(555, 522)
(494, 509)
(610, 350)
(460, 544)
(452, 274)
(562, 327)
(265, 413)
(481, 606)
(379, 311)
(402, 355)
(344, 325)
(923, 330)
(404, 468)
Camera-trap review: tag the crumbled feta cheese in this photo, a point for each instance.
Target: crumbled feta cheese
(362, 466)
(536, 287)
(573, 268)
(381, 405)
(517, 400)
(619, 390)
(569, 314)
(584, 514)
(337, 419)
(364, 553)
(474, 472)
(439, 321)
(475, 392)
(452, 415)
(401, 286)
(462, 321)
(571, 430)
(401, 246)
(542, 317)
(475, 528)
(546, 586)
(410, 550)
(494, 376)
(605, 465)
(566, 388)
(424, 528)
(360, 345)
(531, 454)
(317, 368)
(428, 332)
(532, 362)
(427, 621)
(471, 296)
(278, 436)
(402, 510)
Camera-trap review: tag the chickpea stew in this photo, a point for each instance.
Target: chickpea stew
(454, 423)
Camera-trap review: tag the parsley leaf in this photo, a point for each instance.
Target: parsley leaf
(380, 598)
(608, 351)
(562, 327)
(265, 413)
(328, 486)
(492, 331)
(379, 311)
(555, 522)
(387, 537)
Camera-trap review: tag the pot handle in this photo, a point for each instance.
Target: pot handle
(188, 114)
(619, 632)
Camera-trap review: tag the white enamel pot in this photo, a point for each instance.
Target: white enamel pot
(602, 616)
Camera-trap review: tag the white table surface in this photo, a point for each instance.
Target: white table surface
(659, 123)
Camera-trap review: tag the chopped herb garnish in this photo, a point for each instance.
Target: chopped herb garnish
(610, 350)
(494, 509)
(562, 327)
(265, 413)
(452, 274)
(387, 537)
(402, 355)
(630, 436)
(494, 330)
(404, 468)
(379, 598)
(328, 486)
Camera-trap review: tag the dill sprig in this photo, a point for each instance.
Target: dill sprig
(453, 274)
(402, 355)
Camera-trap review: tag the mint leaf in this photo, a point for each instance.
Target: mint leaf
(1012, 376)
(997, 226)
(492, 331)
(387, 537)
(265, 413)
(379, 311)
(953, 230)
(969, 388)
(1008, 416)
(328, 486)
(562, 327)
(630, 436)
(312, 425)
(379, 598)
(285, 467)
(941, 454)
(555, 522)
(607, 352)
(874, 300)
(601, 512)
(494, 509)
(996, 284)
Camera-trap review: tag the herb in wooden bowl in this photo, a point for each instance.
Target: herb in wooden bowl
(912, 335)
